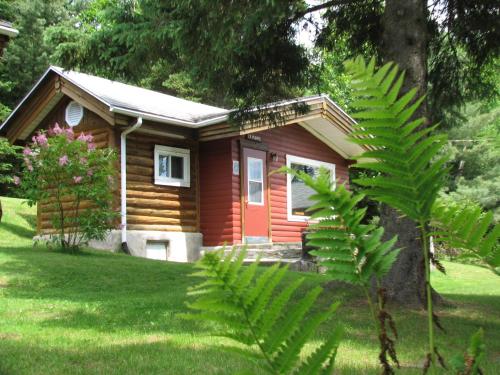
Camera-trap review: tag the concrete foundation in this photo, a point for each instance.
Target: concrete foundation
(180, 246)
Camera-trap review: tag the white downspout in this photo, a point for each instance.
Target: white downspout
(123, 174)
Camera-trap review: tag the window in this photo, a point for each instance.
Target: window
(172, 166)
(297, 192)
(255, 181)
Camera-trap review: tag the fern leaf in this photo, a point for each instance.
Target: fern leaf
(291, 323)
(323, 358)
(404, 153)
(289, 352)
(256, 313)
(352, 252)
(257, 308)
(466, 227)
(276, 309)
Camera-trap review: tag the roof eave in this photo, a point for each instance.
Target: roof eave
(35, 86)
(169, 120)
(8, 31)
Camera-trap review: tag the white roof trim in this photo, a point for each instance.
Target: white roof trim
(169, 120)
(9, 31)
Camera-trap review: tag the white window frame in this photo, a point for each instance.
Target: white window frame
(184, 153)
(291, 159)
(261, 181)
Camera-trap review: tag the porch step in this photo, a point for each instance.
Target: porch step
(269, 252)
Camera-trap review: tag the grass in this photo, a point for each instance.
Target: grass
(102, 313)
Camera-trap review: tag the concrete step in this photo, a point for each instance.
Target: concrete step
(269, 251)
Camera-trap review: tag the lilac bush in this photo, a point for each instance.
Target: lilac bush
(73, 181)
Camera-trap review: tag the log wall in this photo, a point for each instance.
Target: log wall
(90, 124)
(159, 207)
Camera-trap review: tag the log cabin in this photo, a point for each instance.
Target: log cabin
(189, 180)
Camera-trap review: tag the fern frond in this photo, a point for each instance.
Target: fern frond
(405, 155)
(352, 252)
(466, 227)
(257, 310)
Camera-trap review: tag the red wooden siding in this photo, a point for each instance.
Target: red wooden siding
(220, 190)
(220, 219)
(294, 140)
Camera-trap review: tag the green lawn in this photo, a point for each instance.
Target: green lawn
(102, 313)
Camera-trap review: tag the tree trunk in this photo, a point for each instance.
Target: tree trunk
(1, 211)
(404, 41)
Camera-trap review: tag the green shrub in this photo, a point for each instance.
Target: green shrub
(74, 182)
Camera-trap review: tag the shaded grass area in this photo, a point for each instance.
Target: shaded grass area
(102, 313)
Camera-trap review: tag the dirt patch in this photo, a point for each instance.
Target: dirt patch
(9, 336)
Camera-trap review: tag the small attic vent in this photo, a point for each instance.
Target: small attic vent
(74, 113)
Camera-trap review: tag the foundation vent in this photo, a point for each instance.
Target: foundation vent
(157, 250)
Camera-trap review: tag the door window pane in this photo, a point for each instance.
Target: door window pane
(254, 169)
(177, 167)
(255, 192)
(255, 181)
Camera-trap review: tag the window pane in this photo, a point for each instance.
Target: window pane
(254, 169)
(163, 167)
(177, 167)
(255, 192)
(300, 192)
(300, 198)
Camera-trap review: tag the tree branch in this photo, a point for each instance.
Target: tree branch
(315, 8)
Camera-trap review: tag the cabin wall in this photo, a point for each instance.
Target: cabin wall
(294, 140)
(219, 193)
(152, 207)
(90, 124)
(221, 209)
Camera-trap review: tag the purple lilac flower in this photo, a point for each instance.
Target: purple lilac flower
(28, 164)
(27, 151)
(85, 137)
(77, 179)
(42, 140)
(70, 134)
(56, 130)
(63, 160)
(17, 180)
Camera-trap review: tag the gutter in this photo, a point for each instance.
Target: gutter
(123, 185)
(8, 31)
(169, 120)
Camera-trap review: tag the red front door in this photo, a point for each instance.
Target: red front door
(256, 221)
